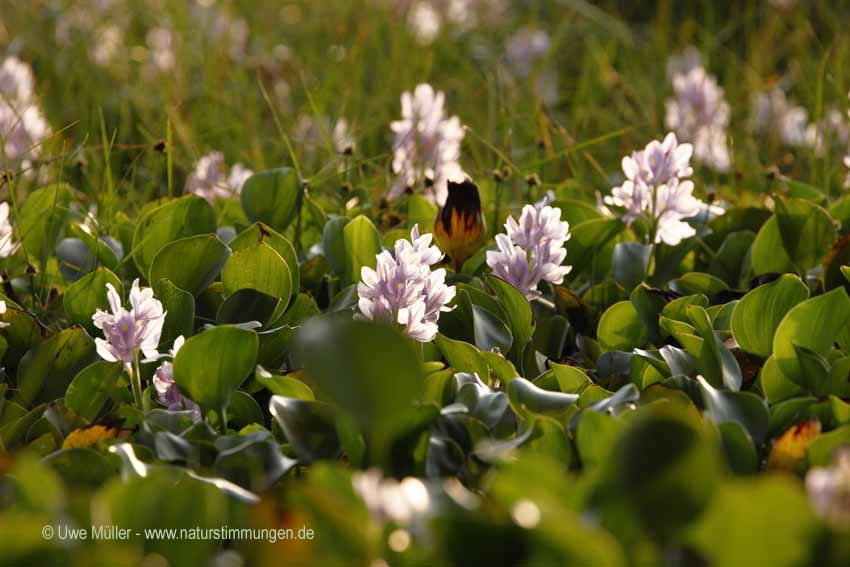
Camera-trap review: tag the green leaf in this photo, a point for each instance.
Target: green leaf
(761, 521)
(333, 244)
(161, 225)
(665, 468)
(744, 408)
(731, 262)
(257, 233)
(362, 246)
(212, 364)
(758, 314)
(285, 386)
(180, 311)
(42, 219)
(813, 324)
(422, 212)
(309, 426)
(621, 328)
(698, 283)
(630, 262)
(526, 397)
(571, 379)
(462, 356)
(90, 389)
(272, 197)
(191, 263)
(807, 231)
(517, 310)
(340, 356)
(259, 268)
(489, 331)
(738, 447)
(46, 370)
(821, 450)
(768, 254)
(718, 363)
(596, 436)
(86, 295)
(776, 386)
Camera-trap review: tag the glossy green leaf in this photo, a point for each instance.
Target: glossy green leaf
(259, 268)
(46, 370)
(158, 226)
(621, 328)
(90, 389)
(42, 219)
(191, 263)
(212, 364)
(813, 324)
(272, 197)
(758, 314)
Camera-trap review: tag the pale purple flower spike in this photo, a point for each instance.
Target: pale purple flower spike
(427, 144)
(403, 289)
(532, 250)
(655, 189)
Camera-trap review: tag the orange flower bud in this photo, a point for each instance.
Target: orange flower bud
(459, 228)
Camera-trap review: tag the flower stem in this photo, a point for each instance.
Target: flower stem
(136, 381)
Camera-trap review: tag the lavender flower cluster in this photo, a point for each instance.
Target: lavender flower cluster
(211, 180)
(532, 250)
(427, 144)
(22, 124)
(656, 189)
(404, 290)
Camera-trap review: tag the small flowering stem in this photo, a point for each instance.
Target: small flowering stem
(136, 381)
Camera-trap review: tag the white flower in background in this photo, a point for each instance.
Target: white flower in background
(160, 41)
(427, 145)
(167, 392)
(211, 181)
(831, 129)
(343, 137)
(17, 84)
(403, 289)
(2, 311)
(773, 113)
(128, 332)
(829, 490)
(682, 63)
(7, 242)
(388, 499)
(22, 124)
(655, 189)
(532, 250)
(525, 48)
(424, 22)
(699, 114)
(106, 48)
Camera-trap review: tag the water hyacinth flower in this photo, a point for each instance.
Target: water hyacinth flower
(532, 249)
(210, 179)
(699, 114)
(404, 290)
(426, 149)
(167, 392)
(655, 190)
(828, 489)
(128, 332)
(773, 113)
